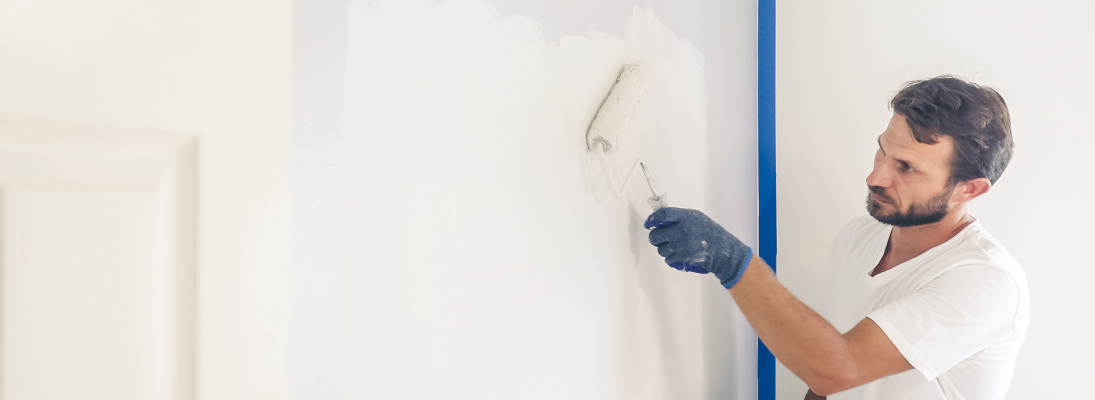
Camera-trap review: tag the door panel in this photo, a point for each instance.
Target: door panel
(78, 298)
(97, 255)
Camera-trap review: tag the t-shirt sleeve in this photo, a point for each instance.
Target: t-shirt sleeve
(958, 314)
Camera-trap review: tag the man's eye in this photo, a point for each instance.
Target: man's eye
(907, 167)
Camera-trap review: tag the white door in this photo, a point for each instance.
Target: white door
(97, 262)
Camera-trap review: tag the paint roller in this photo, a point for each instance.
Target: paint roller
(612, 121)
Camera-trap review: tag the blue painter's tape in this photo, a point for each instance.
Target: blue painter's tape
(766, 157)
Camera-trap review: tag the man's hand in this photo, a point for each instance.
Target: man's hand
(690, 241)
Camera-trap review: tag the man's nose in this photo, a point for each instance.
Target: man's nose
(878, 178)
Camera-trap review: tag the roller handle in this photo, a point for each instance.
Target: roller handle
(658, 202)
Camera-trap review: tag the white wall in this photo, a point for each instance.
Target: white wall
(838, 63)
(725, 32)
(485, 257)
(216, 70)
(232, 74)
(317, 315)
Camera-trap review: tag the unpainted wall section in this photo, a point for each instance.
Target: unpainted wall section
(838, 64)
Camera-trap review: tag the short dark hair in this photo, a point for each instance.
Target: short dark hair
(975, 117)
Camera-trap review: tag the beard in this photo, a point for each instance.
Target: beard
(929, 212)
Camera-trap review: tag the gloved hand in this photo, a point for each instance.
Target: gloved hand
(690, 241)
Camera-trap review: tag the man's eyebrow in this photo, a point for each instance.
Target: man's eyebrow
(906, 162)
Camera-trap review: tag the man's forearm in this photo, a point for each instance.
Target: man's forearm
(806, 343)
(800, 338)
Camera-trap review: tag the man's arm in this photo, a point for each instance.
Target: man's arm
(806, 343)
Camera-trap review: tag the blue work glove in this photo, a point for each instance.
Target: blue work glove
(690, 241)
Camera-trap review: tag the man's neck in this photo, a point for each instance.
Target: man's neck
(909, 242)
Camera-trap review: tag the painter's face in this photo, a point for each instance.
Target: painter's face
(908, 185)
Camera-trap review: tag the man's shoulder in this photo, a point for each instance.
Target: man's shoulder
(981, 241)
(979, 248)
(974, 245)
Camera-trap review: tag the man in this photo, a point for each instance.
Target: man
(923, 303)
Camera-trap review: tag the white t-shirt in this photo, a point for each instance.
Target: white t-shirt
(958, 312)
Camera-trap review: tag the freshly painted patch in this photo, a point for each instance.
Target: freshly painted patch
(486, 256)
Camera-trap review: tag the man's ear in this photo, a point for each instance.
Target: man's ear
(971, 189)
